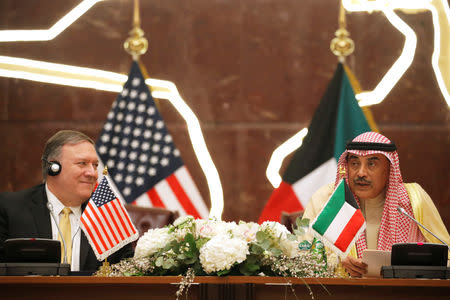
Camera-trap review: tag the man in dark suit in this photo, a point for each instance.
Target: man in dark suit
(69, 168)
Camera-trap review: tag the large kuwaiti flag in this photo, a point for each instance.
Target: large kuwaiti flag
(106, 223)
(340, 222)
(337, 119)
(142, 159)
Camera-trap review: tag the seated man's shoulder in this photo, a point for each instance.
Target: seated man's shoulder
(23, 194)
(413, 185)
(324, 191)
(318, 200)
(415, 189)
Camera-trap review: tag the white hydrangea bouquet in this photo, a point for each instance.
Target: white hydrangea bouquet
(212, 247)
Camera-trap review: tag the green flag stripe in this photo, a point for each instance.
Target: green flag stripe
(330, 210)
(317, 146)
(351, 120)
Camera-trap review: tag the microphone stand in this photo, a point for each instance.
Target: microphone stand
(402, 211)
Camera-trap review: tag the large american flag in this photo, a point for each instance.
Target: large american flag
(142, 159)
(106, 223)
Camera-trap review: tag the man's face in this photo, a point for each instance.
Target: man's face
(78, 177)
(368, 175)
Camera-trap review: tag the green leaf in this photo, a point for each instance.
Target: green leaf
(302, 222)
(159, 261)
(201, 242)
(190, 260)
(223, 272)
(261, 235)
(265, 244)
(248, 269)
(275, 251)
(256, 249)
(189, 238)
(168, 263)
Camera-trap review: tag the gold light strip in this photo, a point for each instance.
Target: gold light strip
(280, 153)
(48, 34)
(440, 63)
(400, 66)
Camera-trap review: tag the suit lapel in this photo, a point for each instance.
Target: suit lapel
(84, 250)
(40, 212)
(85, 247)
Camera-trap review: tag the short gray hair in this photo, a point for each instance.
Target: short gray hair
(52, 149)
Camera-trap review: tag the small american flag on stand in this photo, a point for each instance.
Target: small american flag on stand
(106, 223)
(144, 164)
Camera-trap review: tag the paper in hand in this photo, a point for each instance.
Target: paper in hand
(375, 259)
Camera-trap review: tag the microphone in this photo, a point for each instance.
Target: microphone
(50, 208)
(73, 238)
(402, 211)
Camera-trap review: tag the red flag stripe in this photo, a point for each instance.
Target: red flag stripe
(189, 187)
(90, 233)
(126, 217)
(107, 218)
(182, 197)
(87, 213)
(121, 220)
(118, 220)
(154, 198)
(113, 218)
(282, 199)
(101, 222)
(350, 230)
(94, 234)
(125, 220)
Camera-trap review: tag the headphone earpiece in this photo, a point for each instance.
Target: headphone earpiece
(54, 168)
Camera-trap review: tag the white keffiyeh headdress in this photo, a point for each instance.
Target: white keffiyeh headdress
(394, 227)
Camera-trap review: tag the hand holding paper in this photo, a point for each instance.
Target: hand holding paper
(354, 266)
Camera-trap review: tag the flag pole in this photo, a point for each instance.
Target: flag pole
(342, 45)
(105, 269)
(136, 44)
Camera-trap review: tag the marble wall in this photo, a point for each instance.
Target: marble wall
(253, 71)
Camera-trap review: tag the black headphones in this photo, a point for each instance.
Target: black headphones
(53, 167)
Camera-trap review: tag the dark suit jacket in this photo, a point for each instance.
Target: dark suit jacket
(25, 214)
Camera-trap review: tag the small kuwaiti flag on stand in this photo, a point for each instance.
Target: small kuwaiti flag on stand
(106, 223)
(337, 120)
(145, 166)
(340, 222)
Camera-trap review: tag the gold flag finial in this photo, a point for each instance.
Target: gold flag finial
(105, 270)
(105, 171)
(342, 45)
(136, 44)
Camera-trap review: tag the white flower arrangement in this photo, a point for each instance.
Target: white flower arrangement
(214, 257)
(152, 241)
(213, 247)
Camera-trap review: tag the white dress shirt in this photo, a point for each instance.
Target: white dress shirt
(74, 225)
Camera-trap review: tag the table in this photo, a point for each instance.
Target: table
(221, 288)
